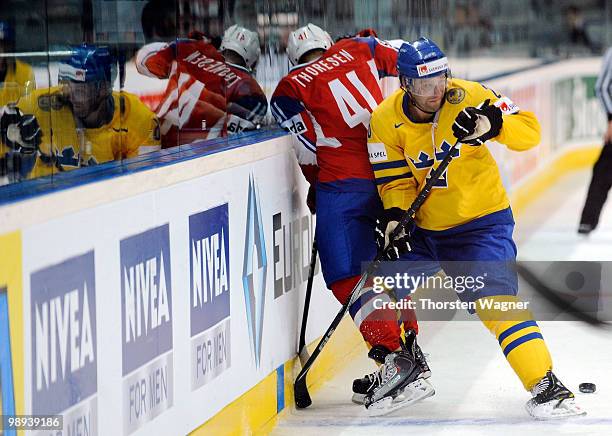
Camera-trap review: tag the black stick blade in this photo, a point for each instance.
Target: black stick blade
(300, 393)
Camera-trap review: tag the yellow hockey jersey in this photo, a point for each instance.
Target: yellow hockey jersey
(19, 81)
(133, 130)
(403, 153)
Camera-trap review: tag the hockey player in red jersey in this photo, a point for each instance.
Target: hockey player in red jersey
(326, 101)
(205, 93)
(246, 102)
(194, 104)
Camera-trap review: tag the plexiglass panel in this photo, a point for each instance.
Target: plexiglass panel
(88, 82)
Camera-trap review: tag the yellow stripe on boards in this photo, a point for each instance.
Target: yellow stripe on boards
(535, 185)
(255, 412)
(11, 279)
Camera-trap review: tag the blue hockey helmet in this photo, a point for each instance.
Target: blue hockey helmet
(418, 62)
(421, 58)
(87, 78)
(88, 63)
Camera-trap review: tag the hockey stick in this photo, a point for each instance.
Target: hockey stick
(302, 350)
(300, 389)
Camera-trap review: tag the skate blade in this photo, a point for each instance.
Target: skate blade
(425, 374)
(567, 409)
(416, 391)
(358, 398)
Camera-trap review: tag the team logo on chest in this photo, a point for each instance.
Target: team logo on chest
(455, 95)
(425, 161)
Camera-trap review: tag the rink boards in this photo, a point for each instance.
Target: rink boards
(149, 302)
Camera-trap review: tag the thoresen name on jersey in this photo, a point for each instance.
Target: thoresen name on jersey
(309, 72)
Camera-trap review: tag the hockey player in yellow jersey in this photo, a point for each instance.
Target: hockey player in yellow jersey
(465, 225)
(90, 124)
(16, 80)
(16, 77)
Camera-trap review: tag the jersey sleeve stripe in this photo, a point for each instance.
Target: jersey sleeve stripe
(389, 165)
(280, 118)
(383, 180)
(379, 174)
(278, 114)
(306, 143)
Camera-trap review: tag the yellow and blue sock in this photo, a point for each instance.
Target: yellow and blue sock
(520, 339)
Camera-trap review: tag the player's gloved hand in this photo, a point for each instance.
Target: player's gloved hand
(384, 226)
(311, 200)
(19, 132)
(476, 125)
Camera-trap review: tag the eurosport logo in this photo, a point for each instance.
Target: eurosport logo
(255, 268)
(209, 259)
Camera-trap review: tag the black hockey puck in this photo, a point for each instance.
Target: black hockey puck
(587, 388)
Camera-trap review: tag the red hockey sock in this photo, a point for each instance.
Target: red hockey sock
(377, 324)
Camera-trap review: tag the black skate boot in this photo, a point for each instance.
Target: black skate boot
(552, 400)
(367, 384)
(411, 344)
(397, 384)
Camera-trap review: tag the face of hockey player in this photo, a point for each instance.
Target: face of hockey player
(428, 93)
(85, 97)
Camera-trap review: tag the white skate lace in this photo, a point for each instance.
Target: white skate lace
(384, 374)
(540, 387)
(372, 379)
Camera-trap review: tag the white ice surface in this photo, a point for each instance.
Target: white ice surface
(476, 391)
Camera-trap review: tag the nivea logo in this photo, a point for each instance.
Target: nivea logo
(209, 257)
(146, 297)
(64, 339)
(209, 268)
(63, 322)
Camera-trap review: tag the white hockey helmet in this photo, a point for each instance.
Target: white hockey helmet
(244, 42)
(304, 39)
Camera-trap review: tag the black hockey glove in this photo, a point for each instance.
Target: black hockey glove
(384, 226)
(19, 132)
(476, 125)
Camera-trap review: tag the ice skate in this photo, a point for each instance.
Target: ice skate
(397, 385)
(552, 400)
(368, 383)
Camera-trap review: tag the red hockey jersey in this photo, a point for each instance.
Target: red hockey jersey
(194, 103)
(326, 104)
